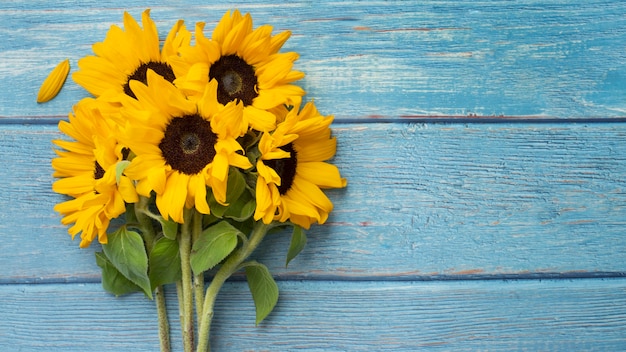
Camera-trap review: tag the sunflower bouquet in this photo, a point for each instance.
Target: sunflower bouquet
(185, 156)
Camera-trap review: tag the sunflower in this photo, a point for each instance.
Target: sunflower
(127, 54)
(292, 169)
(177, 152)
(246, 65)
(87, 171)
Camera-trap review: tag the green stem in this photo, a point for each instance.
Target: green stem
(181, 306)
(149, 235)
(229, 267)
(198, 281)
(164, 327)
(185, 251)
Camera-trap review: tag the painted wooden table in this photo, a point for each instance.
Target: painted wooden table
(485, 148)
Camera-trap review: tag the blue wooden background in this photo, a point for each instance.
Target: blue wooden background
(485, 148)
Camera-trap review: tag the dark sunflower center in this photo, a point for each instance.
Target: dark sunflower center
(285, 168)
(98, 172)
(189, 144)
(236, 80)
(125, 153)
(140, 74)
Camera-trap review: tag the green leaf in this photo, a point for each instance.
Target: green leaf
(242, 209)
(131, 217)
(298, 241)
(126, 251)
(263, 288)
(112, 280)
(210, 219)
(214, 244)
(170, 228)
(164, 262)
(119, 169)
(236, 185)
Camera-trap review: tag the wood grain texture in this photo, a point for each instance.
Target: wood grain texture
(515, 169)
(423, 201)
(533, 315)
(368, 59)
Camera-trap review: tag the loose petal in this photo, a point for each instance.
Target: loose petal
(52, 84)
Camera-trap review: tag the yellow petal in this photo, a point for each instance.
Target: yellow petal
(267, 173)
(278, 41)
(220, 167)
(208, 105)
(52, 84)
(239, 161)
(127, 190)
(317, 151)
(200, 197)
(302, 220)
(259, 119)
(273, 96)
(172, 201)
(322, 174)
(223, 26)
(151, 36)
(74, 185)
(236, 35)
(300, 207)
(314, 195)
(263, 201)
(157, 179)
(69, 206)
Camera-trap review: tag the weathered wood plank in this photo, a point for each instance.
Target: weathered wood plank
(427, 203)
(424, 201)
(558, 315)
(370, 58)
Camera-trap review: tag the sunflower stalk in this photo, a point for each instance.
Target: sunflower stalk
(185, 251)
(145, 223)
(198, 280)
(228, 268)
(181, 306)
(164, 328)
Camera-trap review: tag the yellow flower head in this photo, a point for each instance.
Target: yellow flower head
(247, 67)
(178, 153)
(87, 171)
(292, 169)
(127, 54)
